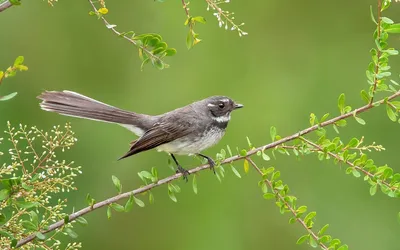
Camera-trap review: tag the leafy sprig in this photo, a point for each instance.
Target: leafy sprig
(10, 72)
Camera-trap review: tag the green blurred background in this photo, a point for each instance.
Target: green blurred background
(299, 56)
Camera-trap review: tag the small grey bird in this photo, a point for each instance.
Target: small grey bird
(183, 131)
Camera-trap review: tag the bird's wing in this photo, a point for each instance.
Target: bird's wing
(159, 134)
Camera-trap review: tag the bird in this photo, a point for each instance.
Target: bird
(183, 131)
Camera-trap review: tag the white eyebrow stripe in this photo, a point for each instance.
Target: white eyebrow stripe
(224, 100)
(210, 105)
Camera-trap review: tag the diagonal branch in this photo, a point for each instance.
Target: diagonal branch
(292, 210)
(5, 5)
(166, 180)
(365, 172)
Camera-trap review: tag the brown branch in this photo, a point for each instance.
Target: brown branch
(292, 210)
(5, 5)
(378, 54)
(202, 167)
(186, 8)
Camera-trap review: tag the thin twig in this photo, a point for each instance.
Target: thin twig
(378, 53)
(5, 5)
(168, 179)
(292, 210)
(111, 27)
(365, 172)
(185, 6)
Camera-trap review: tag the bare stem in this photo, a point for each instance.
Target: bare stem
(5, 5)
(168, 179)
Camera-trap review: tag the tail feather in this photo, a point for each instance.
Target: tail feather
(73, 104)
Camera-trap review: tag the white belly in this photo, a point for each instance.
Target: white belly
(189, 146)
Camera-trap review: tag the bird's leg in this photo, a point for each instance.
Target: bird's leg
(180, 169)
(211, 162)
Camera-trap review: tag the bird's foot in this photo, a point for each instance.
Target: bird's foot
(184, 172)
(212, 164)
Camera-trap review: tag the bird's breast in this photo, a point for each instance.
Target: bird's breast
(193, 143)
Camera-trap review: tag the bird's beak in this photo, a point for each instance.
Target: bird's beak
(238, 105)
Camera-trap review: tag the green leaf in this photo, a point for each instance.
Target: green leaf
(129, 203)
(344, 247)
(117, 207)
(302, 239)
(264, 187)
(4, 193)
(29, 225)
(341, 101)
(265, 156)
(117, 183)
(26, 204)
(151, 198)
(324, 117)
(356, 173)
(19, 61)
(272, 132)
(34, 218)
(372, 189)
(387, 20)
(390, 113)
(172, 196)
(194, 184)
(199, 19)
(71, 233)
(189, 40)
(269, 196)
(170, 52)
(393, 28)
(82, 221)
(40, 236)
(359, 120)
(235, 171)
(323, 229)
(158, 63)
(372, 14)
(139, 202)
(246, 166)
(90, 200)
(302, 209)
(313, 243)
(2, 218)
(109, 212)
(8, 97)
(365, 96)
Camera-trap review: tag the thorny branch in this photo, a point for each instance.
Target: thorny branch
(168, 179)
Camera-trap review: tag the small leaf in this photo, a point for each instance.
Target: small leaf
(365, 96)
(265, 156)
(323, 229)
(117, 183)
(313, 243)
(172, 196)
(8, 97)
(109, 212)
(2, 218)
(372, 189)
(19, 61)
(390, 113)
(26, 204)
(139, 202)
(151, 198)
(235, 171)
(246, 166)
(324, 117)
(71, 233)
(302, 239)
(194, 184)
(170, 52)
(129, 203)
(29, 225)
(272, 132)
(359, 120)
(341, 101)
(394, 28)
(82, 221)
(344, 247)
(189, 40)
(117, 207)
(199, 19)
(269, 196)
(387, 20)
(356, 173)
(40, 236)
(4, 193)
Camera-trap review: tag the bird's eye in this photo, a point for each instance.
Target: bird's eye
(221, 105)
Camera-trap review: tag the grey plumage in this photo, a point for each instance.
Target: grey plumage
(187, 130)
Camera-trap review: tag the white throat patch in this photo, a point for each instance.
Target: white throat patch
(221, 119)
